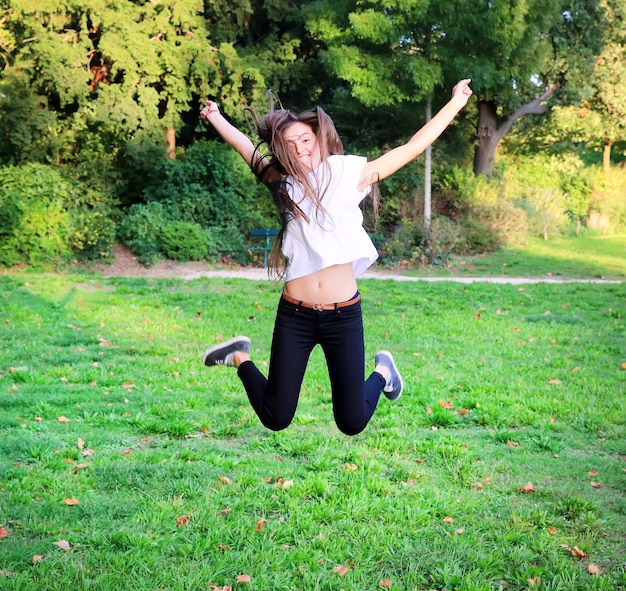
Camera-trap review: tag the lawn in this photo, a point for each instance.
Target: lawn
(127, 465)
(585, 257)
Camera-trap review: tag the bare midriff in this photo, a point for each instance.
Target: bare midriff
(327, 286)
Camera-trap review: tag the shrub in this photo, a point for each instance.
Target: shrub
(183, 241)
(140, 228)
(93, 235)
(37, 198)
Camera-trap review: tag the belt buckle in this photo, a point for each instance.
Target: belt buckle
(318, 307)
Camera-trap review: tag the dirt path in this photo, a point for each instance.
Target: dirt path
(125, 265)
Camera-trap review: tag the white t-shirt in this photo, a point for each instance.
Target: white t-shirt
(335, 235)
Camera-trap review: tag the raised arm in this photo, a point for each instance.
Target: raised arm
(230, 134)
(388, 163)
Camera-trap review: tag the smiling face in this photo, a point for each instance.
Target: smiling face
(302, 143)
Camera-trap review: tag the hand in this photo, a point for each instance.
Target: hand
(462, 91)
(210, 108)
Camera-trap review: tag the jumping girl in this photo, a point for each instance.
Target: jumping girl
(318, 191)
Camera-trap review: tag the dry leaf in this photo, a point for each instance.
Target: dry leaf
(341, 570)
(80, 443)
(554, 382)
(6, 573)
(225, 479)
(594, 569)
(182, 521)
(385, 583)
(446, 404)
(512, 443)
(62, 544)
(243, 579)
(592, 473)
(595, 484)
(552, 530)
(78, 467)
(71, 502)
(527, 488)
(351, 467)
(4, 533)
(63, 420)
(37, 558)
(448, 519)
(534, 581)
(577, 552)
(260, 524)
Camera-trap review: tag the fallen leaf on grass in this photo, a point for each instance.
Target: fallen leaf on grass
(594, 569)
(243, 579)
(577, 552)
(552, 530)
(385, 583)
(554, 382)
(446, 404)
(260, 524)
(592, 473)
(534, 581)
(351, 467)
(62, 544)
(225, 480)
(71, 502)
(182, 521)
(78, 467)
(448, 519)
(224, 588)
(6, 573)
(4, 533)
(595, 484)
(63, 420)
(80, 444)
(37, 558)
(527, 488)
(341, 570)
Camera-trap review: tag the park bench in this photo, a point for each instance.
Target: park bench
(266, 248)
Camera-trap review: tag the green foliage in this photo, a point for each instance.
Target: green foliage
(183, 241)
(140, 228)
(39, 223)
(93, 234)
(50, 217)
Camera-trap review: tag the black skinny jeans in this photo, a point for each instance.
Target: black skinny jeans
(296, 332)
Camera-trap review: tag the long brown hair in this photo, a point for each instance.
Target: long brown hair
(276, 166)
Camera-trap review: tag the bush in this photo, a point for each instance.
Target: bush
(140, 228)
(93, 235)
(36, 229)
(183, 241)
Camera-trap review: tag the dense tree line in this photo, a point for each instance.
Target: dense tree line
(99, 102)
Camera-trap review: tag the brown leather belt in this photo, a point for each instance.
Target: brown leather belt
(321, 307)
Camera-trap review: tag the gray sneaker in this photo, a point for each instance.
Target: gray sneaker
(394, 385)
(223, 353)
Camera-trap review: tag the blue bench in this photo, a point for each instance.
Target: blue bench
(268, 234)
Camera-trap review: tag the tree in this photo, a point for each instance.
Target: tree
(518, 54)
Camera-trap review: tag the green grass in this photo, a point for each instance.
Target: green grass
(583, 257)
(179, 487)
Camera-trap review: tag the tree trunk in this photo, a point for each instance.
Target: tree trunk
(427, 178)
(490, 133)
(606, 156)
(171, 142)
(488, 138)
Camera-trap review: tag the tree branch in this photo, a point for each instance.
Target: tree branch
(537, 106)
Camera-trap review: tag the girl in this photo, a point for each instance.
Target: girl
(318, 191)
